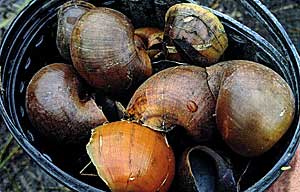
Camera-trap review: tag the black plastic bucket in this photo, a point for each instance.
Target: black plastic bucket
(29, 45)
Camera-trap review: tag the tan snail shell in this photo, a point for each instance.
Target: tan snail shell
(150, 35)
(57, 107)
(68, 14)
(153, 40)
(130, 157)
(175, 96)
(255, 106)
(139, 42)
(194, 34)
(104, 53)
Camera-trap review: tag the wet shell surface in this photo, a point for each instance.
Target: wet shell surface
(130, 157)
(56, 107)
(176, 96)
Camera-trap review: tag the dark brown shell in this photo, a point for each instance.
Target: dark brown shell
(130, 157)
(68, 14)
(176, 96)
(56, 108)
(202, 169)
(194, 34)
(104, 53)
(255, 107)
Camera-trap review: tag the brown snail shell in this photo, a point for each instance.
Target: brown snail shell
(215, 76)
(153, 40)
(255, 107)
(130, 157)
(103, 51)
(139, 42)
(202, 169)
(155, 43)
(194, 34)
(57, 108)
(175, 96)
(150, 35)
(68, 14)
(164, 64)
(146, 32)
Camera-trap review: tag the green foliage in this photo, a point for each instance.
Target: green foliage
(7, 153)
(8, 11)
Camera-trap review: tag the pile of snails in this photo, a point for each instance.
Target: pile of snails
(248, 104)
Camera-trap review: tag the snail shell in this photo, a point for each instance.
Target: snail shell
(151, 36)
(202, 169)
(176, 96)
(255, 106)
(153, 40)
(103, 51)
(195, 34)
(130, 157)
(139, 42)
(56, 107)
(68, 14)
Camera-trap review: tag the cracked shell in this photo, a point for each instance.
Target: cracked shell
(176, 96)
(130, 157)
